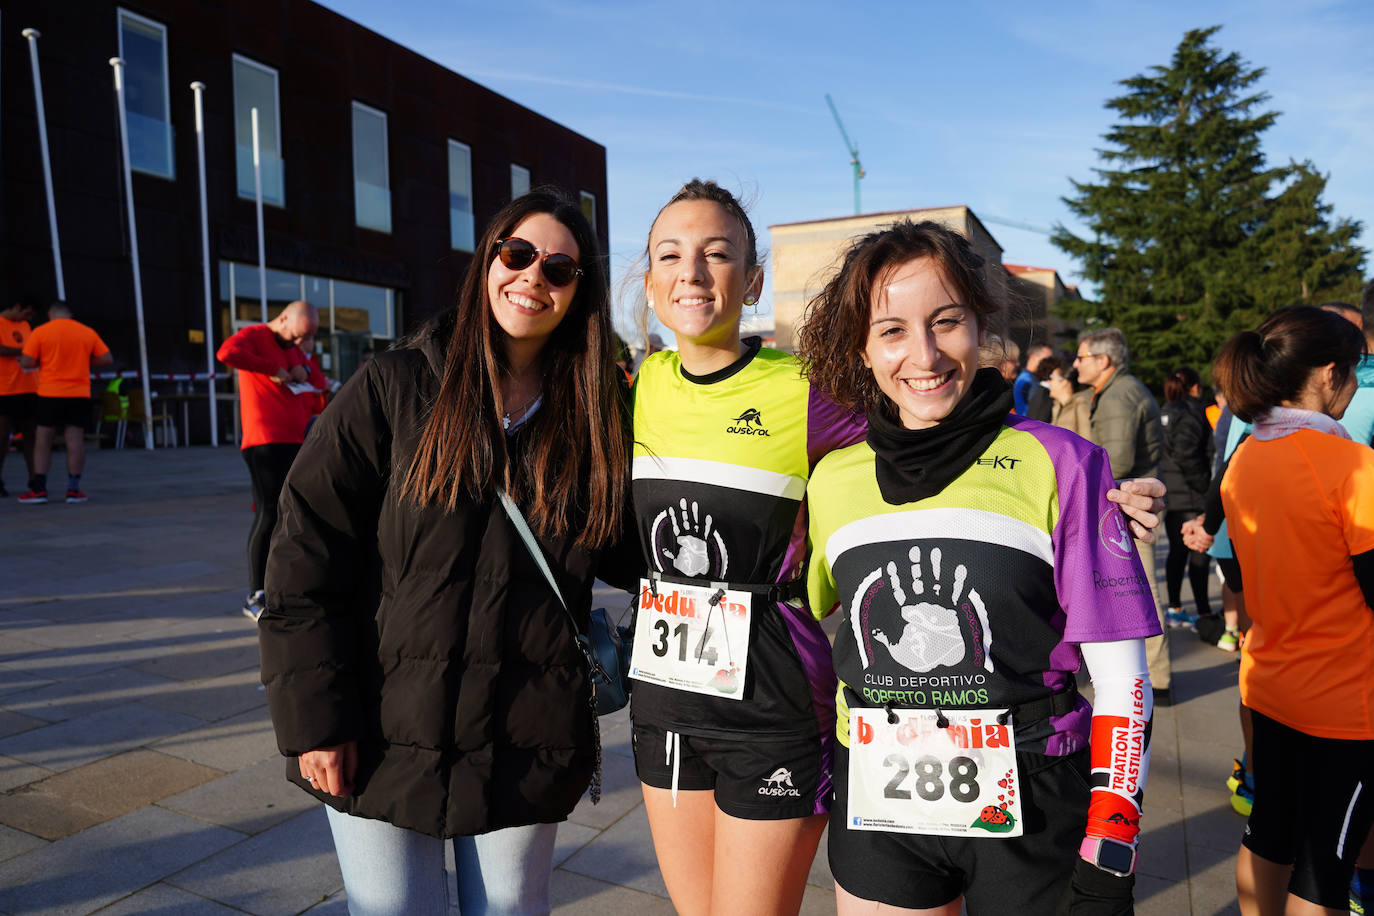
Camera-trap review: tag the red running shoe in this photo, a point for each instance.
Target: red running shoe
(75, 496)
(33, 497)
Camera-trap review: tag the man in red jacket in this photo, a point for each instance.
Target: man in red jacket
(269, 361)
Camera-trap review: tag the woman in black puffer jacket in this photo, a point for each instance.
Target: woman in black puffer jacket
(423, 678)
(1185, 465)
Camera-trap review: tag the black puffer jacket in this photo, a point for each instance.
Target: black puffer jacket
(1185, 463)
(432, 639)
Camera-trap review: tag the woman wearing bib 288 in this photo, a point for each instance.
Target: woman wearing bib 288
(734, 702)
(973, 555)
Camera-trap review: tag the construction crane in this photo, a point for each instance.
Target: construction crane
(1016, 224)
(853, 153)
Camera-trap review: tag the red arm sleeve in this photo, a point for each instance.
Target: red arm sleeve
(1123, 706)
(241, 352)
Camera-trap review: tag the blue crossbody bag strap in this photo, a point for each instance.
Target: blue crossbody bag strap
(518, 520)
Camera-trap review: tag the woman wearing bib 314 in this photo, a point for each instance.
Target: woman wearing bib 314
(973, 555)
(733, 705)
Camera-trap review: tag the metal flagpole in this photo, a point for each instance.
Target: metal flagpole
(118, 65)
(257, 193)
(198, 90)
(32, 36)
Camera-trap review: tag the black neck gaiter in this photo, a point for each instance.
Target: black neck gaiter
(913, 464)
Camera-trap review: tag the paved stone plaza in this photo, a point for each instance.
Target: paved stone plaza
(138, 772)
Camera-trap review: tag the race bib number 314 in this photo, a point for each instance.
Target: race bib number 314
(914, 776)
(690, 638)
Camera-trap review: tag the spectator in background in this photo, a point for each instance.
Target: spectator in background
(316, 400)
(269, 360)
(1027, 381)
(18, 389)
(1359, 416)
(1010, 357)
(1073, 403)
(1301, 507)
(1186, 465)
(1039, 403)
(1125, 421)
(63, 350)
(1214, 409)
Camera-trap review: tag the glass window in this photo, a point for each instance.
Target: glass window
(346, 309)
(589, 208)
(460, 221)
(282, 288)
(371, 184)
(255, 86)
(519, 180)
(143, 45)
(316, 292)
(362, 308)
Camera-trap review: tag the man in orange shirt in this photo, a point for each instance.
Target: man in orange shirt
(17, 387)
(63, 350)
(269, 360)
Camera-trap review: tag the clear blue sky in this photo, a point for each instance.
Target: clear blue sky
(993, 105)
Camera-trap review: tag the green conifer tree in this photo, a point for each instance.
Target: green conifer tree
(1181, 210)
(1299, 256)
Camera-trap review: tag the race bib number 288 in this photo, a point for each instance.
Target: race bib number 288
(916, 776)
(690, 638)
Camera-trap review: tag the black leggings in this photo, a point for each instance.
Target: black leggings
(267, 467)
(1179, 555)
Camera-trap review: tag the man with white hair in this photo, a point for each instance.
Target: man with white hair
(269, 360)
(1125, 421)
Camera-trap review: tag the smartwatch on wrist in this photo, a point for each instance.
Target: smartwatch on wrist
(1112, 856)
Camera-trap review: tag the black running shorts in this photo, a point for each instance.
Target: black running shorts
(758, 780)
(1028, 875)
(19, 408)
(62, 412)
(1314, 804)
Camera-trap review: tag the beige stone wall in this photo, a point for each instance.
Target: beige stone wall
(1040, 292)
(805, 256)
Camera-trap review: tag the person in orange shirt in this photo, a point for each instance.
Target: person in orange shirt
(1299, 500)
(18, 399)
(269, 360)
(63, 350)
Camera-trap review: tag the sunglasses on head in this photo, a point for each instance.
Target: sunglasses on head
(517, 254)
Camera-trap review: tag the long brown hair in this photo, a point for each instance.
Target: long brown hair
(835, 330)
(1260, 369)
(579, 453)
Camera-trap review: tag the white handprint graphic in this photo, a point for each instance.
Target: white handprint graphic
(692, 537)
(931, 636)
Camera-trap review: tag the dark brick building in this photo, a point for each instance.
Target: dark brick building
(380, 167)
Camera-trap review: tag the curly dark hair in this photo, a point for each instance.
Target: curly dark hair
(835, 329)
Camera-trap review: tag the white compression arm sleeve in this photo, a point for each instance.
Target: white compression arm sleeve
(1120, 745)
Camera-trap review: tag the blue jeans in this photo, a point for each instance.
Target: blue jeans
(391, 871)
